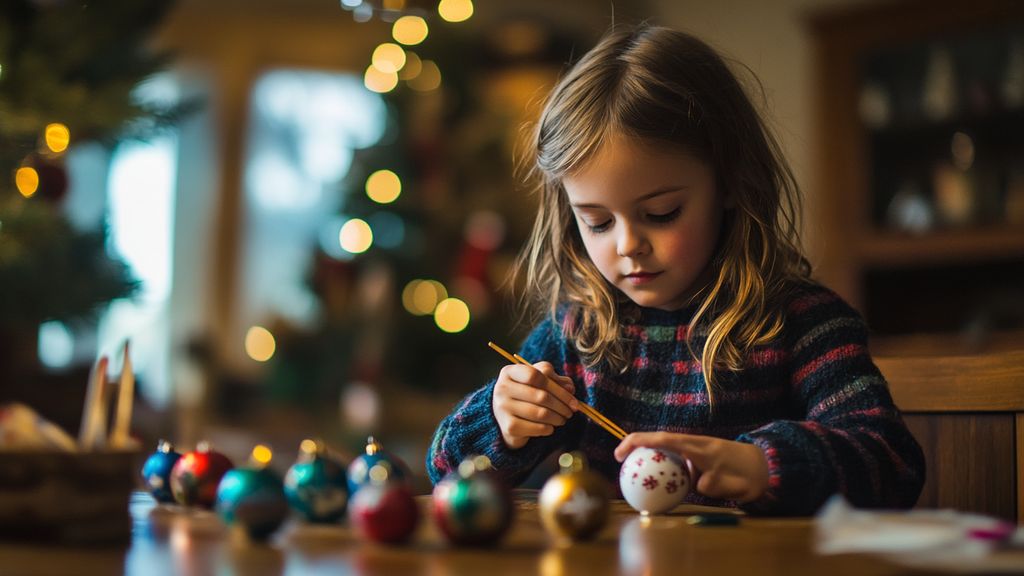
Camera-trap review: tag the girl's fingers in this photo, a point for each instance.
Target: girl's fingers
(540, 398)
(547, 369)
(534, 378)
(685, 445)
(639, 439)
(534, 413)
(522, 428)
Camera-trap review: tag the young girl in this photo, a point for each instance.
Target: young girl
(675, 300)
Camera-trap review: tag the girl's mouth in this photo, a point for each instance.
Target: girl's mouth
(638, 278)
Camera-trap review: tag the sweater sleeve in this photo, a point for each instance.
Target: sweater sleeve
(472, 428)
(851, 439)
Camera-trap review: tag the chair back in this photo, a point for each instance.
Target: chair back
(967, 412)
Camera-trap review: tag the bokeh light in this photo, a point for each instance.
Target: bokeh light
(356, 236)
(360, 406)
(379, 81)
(485, 229)
(410, 30)
(428, 79)
(260, 344)
(452, 315)
(455, 10)
(27, 181)
(389, 57)
(363, 12)
(56, 345)
(383, 186)
(262, 455)
(57, 137)
(412, 68)
(420, 297)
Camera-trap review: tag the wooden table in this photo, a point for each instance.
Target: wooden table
(176, 541)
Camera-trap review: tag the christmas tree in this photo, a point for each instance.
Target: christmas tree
(461, 216)
(67, 74)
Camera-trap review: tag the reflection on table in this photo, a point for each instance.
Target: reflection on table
(172, 540)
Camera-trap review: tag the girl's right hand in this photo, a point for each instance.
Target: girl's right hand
(526, 405)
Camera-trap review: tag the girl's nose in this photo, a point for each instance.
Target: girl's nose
(631, 242)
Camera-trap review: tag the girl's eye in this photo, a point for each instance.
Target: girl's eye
(666, 217)
(598, 228)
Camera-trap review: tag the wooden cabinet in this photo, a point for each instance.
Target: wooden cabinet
(920, 163)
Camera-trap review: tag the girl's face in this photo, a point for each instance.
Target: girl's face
(650, 217)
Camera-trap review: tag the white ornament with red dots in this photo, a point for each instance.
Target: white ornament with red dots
(653, 481)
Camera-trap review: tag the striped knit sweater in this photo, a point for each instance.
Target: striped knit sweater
(813, 401)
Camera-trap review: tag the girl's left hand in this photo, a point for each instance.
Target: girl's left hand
(721, 468)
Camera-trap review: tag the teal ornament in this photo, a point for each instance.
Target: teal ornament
(316, 486)
(252, 498)
(472, 506)
(156, 472)
(359, 469)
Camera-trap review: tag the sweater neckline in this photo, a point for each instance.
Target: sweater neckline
(656, 316)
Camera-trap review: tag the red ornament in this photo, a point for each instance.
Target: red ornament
(384, 512)
(195, 476)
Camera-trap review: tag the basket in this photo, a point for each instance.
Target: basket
(67, 497)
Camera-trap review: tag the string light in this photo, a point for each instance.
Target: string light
(421, 297)
(260, 344)
(452, 315)
(383, 186)
(412, 68)
(57, 137)
(410, 30)
(356, 236)
(389, 57)
(27, 181)
(379, 81)
(262, 455)
(428, 79)
(455, 10)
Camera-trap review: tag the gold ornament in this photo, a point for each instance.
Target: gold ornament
(574, 503)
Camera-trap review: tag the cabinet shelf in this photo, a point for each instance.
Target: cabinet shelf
(881, 248)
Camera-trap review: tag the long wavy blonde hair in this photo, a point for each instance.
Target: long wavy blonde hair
(664, 86)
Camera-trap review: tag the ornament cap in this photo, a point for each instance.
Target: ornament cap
(372, 446)
(203, 446)
(164, 446)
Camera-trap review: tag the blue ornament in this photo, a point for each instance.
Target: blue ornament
(156, 472)
(316, 485)
(359, 469)
(252, 498)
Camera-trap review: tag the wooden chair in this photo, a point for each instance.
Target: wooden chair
(968, 414)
